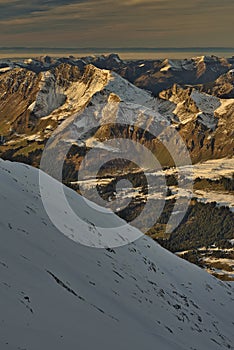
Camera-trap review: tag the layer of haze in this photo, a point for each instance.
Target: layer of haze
(122, 23)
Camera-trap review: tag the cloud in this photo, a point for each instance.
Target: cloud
(117, 23)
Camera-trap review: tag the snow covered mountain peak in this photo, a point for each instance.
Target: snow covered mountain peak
(49, 97)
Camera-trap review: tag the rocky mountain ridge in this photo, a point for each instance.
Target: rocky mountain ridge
(34, 103)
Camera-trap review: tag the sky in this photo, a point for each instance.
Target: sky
(122, 23)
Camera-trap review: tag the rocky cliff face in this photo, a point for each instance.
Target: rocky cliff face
(204, 121)
(222, 87)
(34, 104)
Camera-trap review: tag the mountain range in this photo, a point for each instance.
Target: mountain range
(194, 97)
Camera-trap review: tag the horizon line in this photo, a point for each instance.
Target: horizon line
(194, 48)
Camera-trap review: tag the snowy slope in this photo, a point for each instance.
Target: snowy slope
(58, 294)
